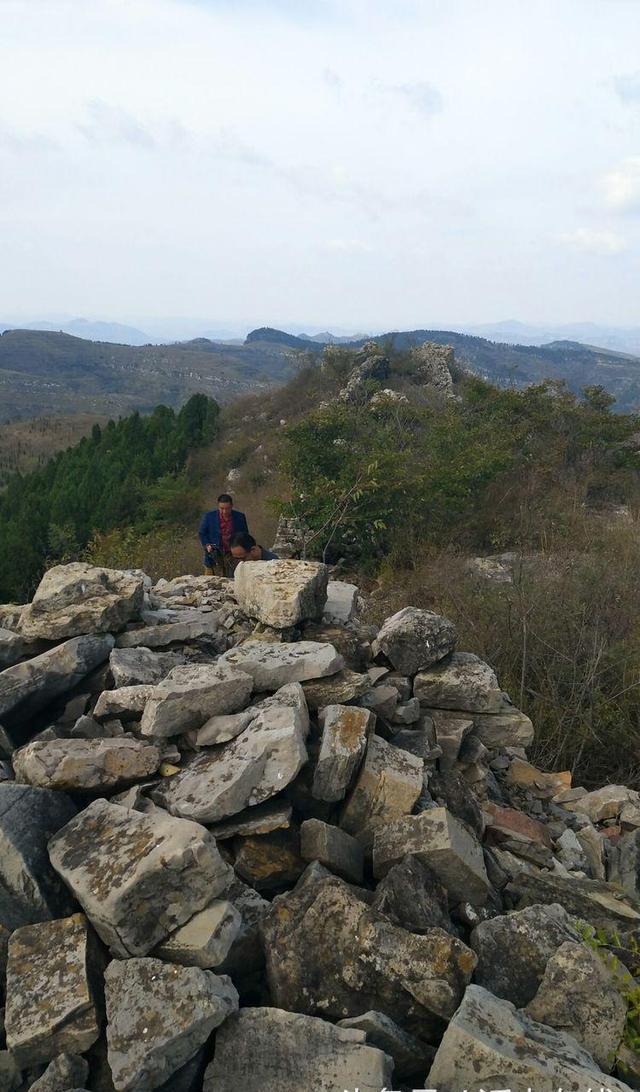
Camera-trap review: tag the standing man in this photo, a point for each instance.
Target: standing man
(216, 531)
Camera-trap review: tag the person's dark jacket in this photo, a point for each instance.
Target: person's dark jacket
(210, 527)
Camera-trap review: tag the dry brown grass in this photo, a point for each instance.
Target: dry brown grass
(27, 444)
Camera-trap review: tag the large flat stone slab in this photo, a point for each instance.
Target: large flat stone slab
(281, 593)
(206, 939)
(76, 599)
(30, 890)
(268, 1049)
(191, 695)
(141, 666)
(272, 665)
(85, 764)
(440, 841)
(206, 627)
(50, 1007)
(222, 781)
(27, 687)
(158, 1016)
(488, 1042)
(138, 876)
(414, 639)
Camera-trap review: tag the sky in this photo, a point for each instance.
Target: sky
(353, 164)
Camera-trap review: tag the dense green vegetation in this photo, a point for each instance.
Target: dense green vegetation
(126, 474)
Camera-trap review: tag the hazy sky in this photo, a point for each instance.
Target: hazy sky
(361, 163)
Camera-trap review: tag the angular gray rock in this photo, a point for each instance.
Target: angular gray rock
(328, 952)
(50, 1006)
(410, 1056)
(488, 1043)
(463, 682)
(414, 639)
(206, 939)
(514, 949)
(272, 665)
(158, 1016)
(604, 905)
(206, 627)
(340, 606)
(220, 729)
(604, 803)
(281, 593)
(222, 781)
(141, 666)
(76, 599)
(138, 876)
(64, 1072)
(412, 896)
(79, 764)
(440, 841)
(246, 955)
(334, 849)
(30, 890)
(344, 686)
(388, 785)
(191, 695)
(267, 1049)
(126, 703)
(510, 728)
(27, 687)
(12, 647)
(261, 819)
(578, 994)
(345, 731)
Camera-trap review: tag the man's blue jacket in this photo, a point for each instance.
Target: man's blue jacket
(210, 526)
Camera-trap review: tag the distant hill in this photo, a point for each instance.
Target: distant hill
(510, 365)
(114, 332)
(47, 372)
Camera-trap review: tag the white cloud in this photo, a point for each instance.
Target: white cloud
(591, 241)
(421, 96)
(347, 246)
(622, 186)
(628, 87)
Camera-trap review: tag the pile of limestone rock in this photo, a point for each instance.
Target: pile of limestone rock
(250, 844)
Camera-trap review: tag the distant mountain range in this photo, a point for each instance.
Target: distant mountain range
(44, 372)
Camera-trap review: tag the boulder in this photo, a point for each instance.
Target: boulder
(30, 891)
(345, 731)
(625, 869)
(381, 700)
(281, 593)
(85, 764)
(407, 712)
(158, 1017)
(344, 686)
(204, 628)
(272, 665)
(12, 648)
(50, 1006)
(191, 695)
(463, 682)
(328, 952)
(412, 896)
(488, 1043)
(604, 905)
(125, 703)
(388, 785)
(270, 860)
(138, 876)
(64, 1072)
(141, 666)
(251, 768)
(264, 1049)
(414, 639)
(341, 603)
(205, 940)
(220, 729)
(27, 687)
(507, 729)
(410, 1056)
(261, 819)
(334, 849)
(605, 803)
(578, 994)
(76, 599)
(245, 956)
(514, 949)
(440, 841)
(511, 823)
(450, 734)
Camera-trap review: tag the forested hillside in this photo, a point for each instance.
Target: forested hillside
(124, 474)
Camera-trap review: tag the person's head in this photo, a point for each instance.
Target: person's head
(244, 547)
(225, 502)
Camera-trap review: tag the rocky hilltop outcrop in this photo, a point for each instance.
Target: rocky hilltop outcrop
(251, 844)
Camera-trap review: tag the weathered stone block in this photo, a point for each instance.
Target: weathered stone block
(79, 764)
(75, 599)
(138, 876)
(414, 639)
(334, 849)
(281, 593)
(345, 730)
(461, 682)
(205, 940)
(191, 695)
(272, 665)
(27, 687)
(388, 785)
